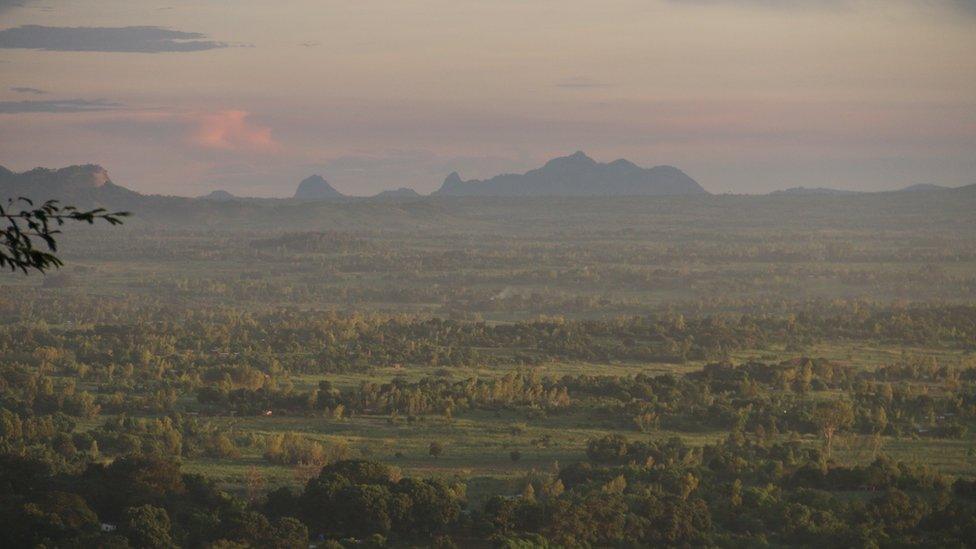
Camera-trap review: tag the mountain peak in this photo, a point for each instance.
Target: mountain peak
(402, 192)
(315, 187)
(452, 183)
(219, 195)
(624, 163)
(576, 160)
(91, 174)
(314, 179)
(86, 176)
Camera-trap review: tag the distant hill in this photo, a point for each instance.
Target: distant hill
(924, 187)
(72, 178)
(87, 184)
(819, 191)
(402, 192)
(90, 187)
(316, 188)
(219, 195)
(824, 191)
(578, 175)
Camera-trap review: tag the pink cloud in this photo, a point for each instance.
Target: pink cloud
(232, 131)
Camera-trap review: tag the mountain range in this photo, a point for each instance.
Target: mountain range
(90, 187)
(575, 175)
(578, 175)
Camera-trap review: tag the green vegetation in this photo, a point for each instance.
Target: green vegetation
(711, 371)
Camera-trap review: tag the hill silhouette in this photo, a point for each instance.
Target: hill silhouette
(219, 195)
(924, 187)
(808, 191)
(402, 192)
(578, 175)
(90, 186)
(315, 187)
(84, 185)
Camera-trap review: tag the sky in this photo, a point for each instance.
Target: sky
(746, 96)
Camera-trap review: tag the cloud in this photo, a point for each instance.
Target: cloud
(58, 105)
(105, 39)
(232, 131)
(25, 89)
(197, 134)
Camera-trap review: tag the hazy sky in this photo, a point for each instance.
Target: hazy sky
(183, 97)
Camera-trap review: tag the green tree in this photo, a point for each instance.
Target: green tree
(831, 417)
(28, 242)
(289, 533)
(147, 526)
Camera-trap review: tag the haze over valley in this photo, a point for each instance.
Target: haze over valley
(509, 274)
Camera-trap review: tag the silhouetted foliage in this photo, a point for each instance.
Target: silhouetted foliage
(27, 227)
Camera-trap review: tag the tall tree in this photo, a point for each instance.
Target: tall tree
(831, 417)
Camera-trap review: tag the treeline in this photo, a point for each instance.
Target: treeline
(581, 271)
(131, 502)
(180, 342)
(910, 398)
(397, 398)
(455, 248)
(738, 493)
(809, 396)
(743, 491)
(905, 400)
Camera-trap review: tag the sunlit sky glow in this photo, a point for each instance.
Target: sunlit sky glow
(251, 96)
